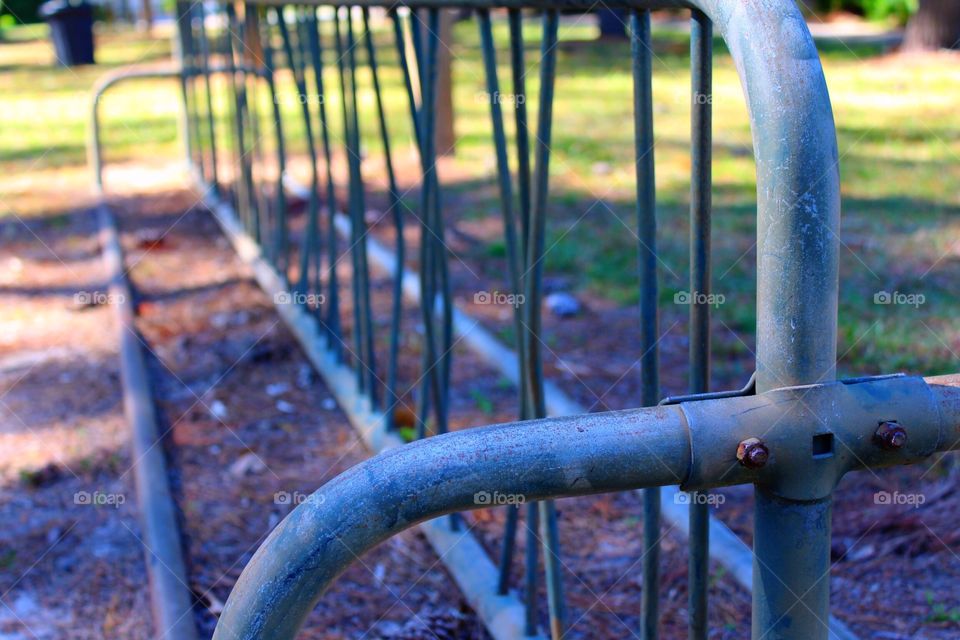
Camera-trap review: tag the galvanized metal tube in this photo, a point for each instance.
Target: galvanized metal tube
(94, 146)
(701, 69)
(277, 243)
(507, 547)
(396, 210)
(252, 54)
(352, 155)
(946, 392)
(539, 459)
(531, 570)
(331, 319)
(642, 55)
(533, 291)
(798, 213)
(297, 65)
(538, 215)
(205, 71)
(362, 275)
(514, 265)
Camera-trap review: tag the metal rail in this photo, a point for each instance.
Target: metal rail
(693, 444)
(794, 439)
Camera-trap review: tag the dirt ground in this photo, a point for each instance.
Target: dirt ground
(71, 561)
(252, 430)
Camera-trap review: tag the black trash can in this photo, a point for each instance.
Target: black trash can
(71, 29)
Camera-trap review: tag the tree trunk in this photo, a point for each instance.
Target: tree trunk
(936, 25)
(146, 16)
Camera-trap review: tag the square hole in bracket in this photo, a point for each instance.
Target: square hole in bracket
(822, 445)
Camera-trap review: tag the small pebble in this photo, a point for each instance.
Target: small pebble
(286, 407)
(276, 389)
(218, 409)
(562, 305)
(329, 404)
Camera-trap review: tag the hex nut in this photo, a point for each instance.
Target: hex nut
(752, 453)
(890, 435)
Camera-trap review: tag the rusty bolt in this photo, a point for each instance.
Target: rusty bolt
(752, 453)
(890, 435)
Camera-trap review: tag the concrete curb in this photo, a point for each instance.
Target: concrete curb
(170, 594)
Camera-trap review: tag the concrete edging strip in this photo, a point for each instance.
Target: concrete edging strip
(170, 594)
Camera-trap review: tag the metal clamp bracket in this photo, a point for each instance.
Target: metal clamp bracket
(804, 439)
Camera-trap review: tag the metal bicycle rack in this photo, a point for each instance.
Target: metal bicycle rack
(792, 433)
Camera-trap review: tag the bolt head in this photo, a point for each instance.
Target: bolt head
(752, 453)
(890, 435)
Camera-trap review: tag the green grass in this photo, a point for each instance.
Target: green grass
(897, 125)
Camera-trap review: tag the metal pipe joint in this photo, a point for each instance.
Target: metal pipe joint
(797, 442)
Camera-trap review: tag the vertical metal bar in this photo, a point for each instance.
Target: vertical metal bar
(791, 568)
(532, 303)
(397, 215)
(418, 116)
(242, 189)
(407, 74)
(798, 217)
(308, 245)
(532, 569)
(253, 53)
(519, 70)
(503, 166)
(507, 548)
(332, 321)
(211, 117)
(363, 314)
(185, 54)
(518, 76)
(513, 254)
(351, 208)
(368, 352)
(701, 66)
(279, 228)
(427, 72)
(649, 360)
(315, 236)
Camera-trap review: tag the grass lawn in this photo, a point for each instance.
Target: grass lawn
(899, 139)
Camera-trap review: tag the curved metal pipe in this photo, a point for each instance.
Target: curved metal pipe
(105, 82)
(386, 494)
